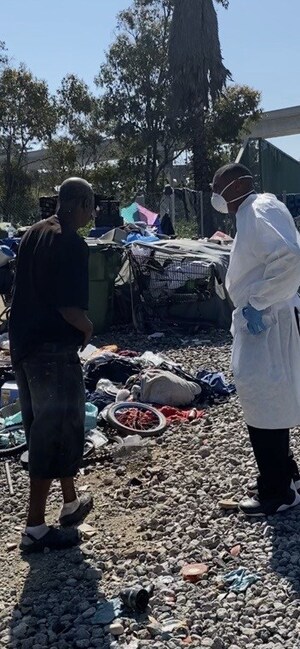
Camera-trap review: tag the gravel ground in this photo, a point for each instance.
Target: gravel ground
(146, 534)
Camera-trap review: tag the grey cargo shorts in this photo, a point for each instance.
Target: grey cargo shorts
(52, 397)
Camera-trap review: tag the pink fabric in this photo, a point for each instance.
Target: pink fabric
(146, 215)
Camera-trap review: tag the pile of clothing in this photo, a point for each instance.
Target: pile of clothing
(113, 375)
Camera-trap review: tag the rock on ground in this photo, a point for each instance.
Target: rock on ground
(147, 533)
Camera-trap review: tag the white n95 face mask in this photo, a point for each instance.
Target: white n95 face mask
(218, 201)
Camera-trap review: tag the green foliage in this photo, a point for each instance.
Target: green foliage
(17, 194)
(114, 180)
(27, 113)
(135, 120)
(77, 148)
(186, 229)
(81, 117)
(136, 85)
(3, 55)
(228, 122)
(27, 116)
(225, 3)
(60, 163)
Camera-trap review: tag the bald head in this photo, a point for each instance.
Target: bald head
(76, 202)
(75, 189)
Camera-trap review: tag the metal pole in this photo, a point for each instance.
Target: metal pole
(172, 207)
(9, 480)
(202, 214)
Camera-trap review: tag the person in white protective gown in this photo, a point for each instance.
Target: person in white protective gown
(262, 281)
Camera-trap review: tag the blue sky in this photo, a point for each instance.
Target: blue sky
(260, 43)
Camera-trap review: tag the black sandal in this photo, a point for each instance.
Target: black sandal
(54, 539)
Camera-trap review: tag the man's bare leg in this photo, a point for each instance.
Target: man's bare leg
(74, 509)
(68, 490)
(37, 535)
(39, 490)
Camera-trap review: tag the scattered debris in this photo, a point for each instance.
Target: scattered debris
(137, 599)
(239, 580)
(194, 572)
(167, 628)
(235, 551)
(134, 599)
(108, 611)
(150, 534)
(228, 504)
(9, 480)
(11, 546)
(87, 531)
(116, 629)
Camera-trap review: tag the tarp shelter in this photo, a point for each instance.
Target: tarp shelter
(180, 283)
(136, 213)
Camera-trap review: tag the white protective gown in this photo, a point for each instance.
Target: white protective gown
(264, 270)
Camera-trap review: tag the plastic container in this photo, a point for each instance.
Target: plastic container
(9, 393)
(104, 266)
(91, 414)
(6, 254)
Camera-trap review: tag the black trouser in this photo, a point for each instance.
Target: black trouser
(52, 398)
(275, 462)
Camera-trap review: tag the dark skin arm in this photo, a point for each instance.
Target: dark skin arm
(78, 319)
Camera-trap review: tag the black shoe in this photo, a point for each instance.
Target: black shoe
(252, 488)
(260, 507)
(54, 539)
(83, 509)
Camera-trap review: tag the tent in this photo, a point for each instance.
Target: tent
(136, 213)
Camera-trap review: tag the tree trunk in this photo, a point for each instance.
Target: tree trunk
(151, 176)
(201, 172)
(9, 188)
(147, 166)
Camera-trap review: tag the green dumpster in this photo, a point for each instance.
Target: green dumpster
(104, 266)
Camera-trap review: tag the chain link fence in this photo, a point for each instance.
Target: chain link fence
(21, 212)
(192, 212)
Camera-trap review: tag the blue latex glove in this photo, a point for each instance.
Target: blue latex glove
(255, 324)
(239, 580)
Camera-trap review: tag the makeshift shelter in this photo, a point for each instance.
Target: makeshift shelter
(179, 283)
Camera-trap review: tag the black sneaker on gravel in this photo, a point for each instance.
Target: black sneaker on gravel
(83, 509)
(54, 539)
(252, 487)
(259, 507)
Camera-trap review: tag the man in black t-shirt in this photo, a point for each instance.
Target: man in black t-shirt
(48, 325)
